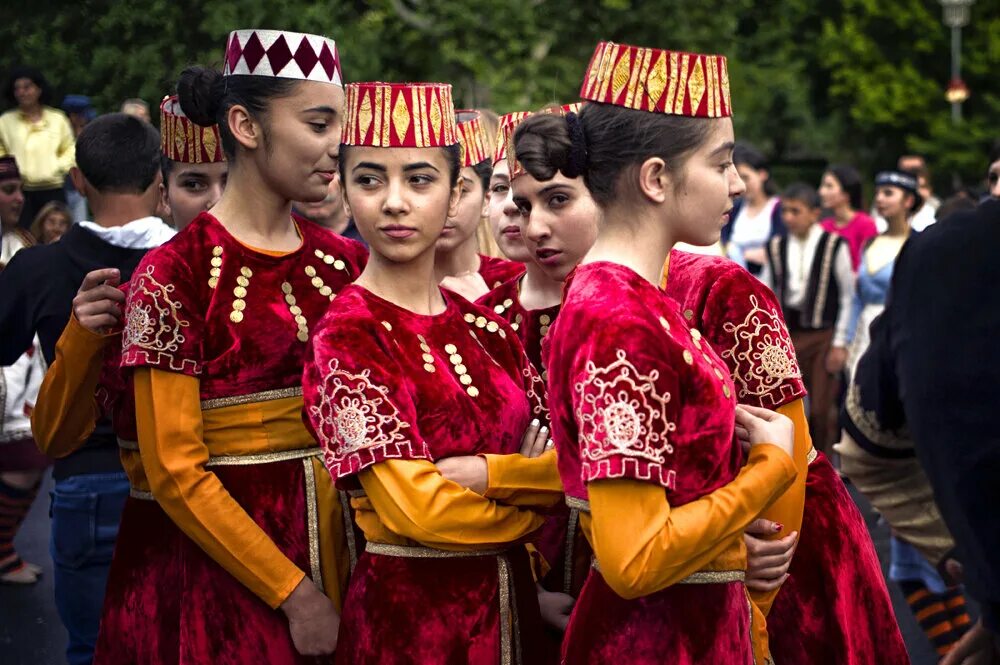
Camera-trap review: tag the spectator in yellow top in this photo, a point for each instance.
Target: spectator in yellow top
(39, 137)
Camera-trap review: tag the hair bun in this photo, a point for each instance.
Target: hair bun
(199, 91)
(576, 157)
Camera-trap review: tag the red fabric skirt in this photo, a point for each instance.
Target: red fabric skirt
(685, 624)
(834, 608)
(440, 611)
(168, 603)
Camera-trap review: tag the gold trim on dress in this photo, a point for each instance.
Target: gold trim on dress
(506, 621)
(312, 523)
(263, 396)
(140, 494)
(417, 552)
(700, 577)
(811, 456)
(574, 519)
(868, 423)
(263, 458)
(578, 504)
(352, 546)
(126, 444)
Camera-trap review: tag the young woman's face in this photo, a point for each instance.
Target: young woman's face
(11, 202)
(471, 207)
(831, 194)
(298, 155)
(558, 221)
(54, 226)
(400, 198)
(505, 218)
(754, 179)
(191, 189)
(704, 189)
(993, 178)
(26, 92)
(892, 202)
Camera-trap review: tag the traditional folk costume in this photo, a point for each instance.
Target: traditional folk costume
(230, 507)
(643, 415)
(444, 578)
(477, 147)
(814, 283)
(834, 607)
(565, 555)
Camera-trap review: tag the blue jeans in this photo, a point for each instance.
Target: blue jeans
(85, 513)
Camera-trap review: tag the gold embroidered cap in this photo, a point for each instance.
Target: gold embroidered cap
(658, 81)
(472, 137)
(184, 141)
(505, 130)
(400, 115)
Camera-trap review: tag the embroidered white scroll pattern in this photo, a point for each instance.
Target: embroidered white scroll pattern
(357, 422)
(762, 356)
(621, 414)
(152, 320)
(536, 393)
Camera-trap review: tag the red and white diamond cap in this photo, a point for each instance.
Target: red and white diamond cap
(283, 54)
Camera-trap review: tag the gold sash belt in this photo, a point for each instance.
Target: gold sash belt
(702, 576)
(811, 456)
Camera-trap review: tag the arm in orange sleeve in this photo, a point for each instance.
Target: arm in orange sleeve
(516, 480)
(643, 545)
(66, 411)
(415, 501)
(787, 509)
(174, 454)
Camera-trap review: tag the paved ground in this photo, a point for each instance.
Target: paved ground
(31, 634)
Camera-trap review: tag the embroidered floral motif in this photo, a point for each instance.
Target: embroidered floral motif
(154, 328)
(762, 356)
(357, 423)
(623, 422)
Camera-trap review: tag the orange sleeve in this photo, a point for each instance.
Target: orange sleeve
(517, 480)
(66, 411)
(787, 509)
(168, 416)
(643, 545)
(415, 501)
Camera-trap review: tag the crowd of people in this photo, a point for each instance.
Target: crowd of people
(337, 372)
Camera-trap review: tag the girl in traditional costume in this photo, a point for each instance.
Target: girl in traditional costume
(410, 386)
(642, 409)
(230, 551)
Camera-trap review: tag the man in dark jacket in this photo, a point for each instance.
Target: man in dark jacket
(118, 170)
(934, 367)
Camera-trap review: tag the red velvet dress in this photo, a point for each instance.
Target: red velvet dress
(495, 271)
(560, 541)
(206, 306)
(635, 394)
(834, 608)
(386, 386)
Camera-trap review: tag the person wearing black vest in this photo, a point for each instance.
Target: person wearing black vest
(810, 272)
(118, 170)
(930, 375)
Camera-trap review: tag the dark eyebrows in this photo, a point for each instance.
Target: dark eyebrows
(370, 165)
(420, 165)
(191, 173)
(322, 109)
(723, 149)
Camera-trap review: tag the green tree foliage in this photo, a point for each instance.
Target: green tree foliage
(856, 80)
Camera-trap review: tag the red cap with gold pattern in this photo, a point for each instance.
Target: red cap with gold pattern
(400, 115)
(184, 141)
(513, 165)
(282, 54)
(658, 81)
(472, 137)
(505, 131)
